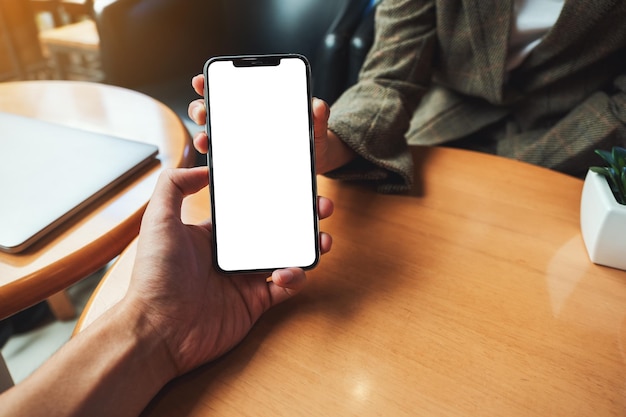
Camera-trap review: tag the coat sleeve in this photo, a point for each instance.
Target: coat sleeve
(373, 116)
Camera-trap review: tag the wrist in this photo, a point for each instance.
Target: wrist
(337, 153)
(147, 344)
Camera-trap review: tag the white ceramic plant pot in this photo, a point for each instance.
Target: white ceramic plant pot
(603, 223)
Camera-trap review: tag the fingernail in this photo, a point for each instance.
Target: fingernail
(195, 112)
(285, 276)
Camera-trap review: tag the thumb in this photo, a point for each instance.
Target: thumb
(285, 284)
(172, 187)
(321, 112)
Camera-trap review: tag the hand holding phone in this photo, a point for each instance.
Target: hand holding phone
(261, 162)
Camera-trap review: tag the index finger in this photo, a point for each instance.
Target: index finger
(197, 83)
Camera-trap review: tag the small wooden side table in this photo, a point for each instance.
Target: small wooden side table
(99, 233)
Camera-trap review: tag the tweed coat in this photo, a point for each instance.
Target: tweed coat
(437, 74)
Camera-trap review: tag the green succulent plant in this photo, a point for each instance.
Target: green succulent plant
(615, 172)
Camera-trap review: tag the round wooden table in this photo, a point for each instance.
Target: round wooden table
(101, 231)
(470, 296)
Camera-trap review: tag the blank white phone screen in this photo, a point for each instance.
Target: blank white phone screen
(263, 182)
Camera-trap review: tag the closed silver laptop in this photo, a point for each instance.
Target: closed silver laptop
(48, 172)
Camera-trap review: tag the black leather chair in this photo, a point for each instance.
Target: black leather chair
(340, 56)
(156, 46)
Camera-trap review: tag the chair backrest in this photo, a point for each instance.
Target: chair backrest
(145, 41)
(342, 52)
(63, 12)
(77, 10)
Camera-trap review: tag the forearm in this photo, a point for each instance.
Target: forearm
(373, 116)
(113, 368)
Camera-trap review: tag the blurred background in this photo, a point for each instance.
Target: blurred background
(48, 39)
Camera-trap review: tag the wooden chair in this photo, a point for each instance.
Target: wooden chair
(21, 55)
(74, 50)
(71, 39)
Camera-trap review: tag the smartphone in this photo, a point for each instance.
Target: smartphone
(261, 162)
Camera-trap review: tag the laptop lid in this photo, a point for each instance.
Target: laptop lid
(48, 172)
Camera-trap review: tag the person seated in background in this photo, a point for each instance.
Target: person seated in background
(542, 81)
(178, 313)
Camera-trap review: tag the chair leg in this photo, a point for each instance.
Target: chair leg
(6, 381)
(62, 306)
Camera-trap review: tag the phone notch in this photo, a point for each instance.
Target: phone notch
(257, 61)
